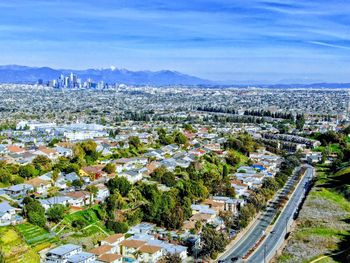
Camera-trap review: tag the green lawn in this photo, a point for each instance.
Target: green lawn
(334, 148)
(93, 230)
(88, 216)
(14, 247)
(36, 236)
(332, 197)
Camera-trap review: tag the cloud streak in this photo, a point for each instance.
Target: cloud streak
(270, 38)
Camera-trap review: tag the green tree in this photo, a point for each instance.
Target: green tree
(28, 171)
(233, 158)
(109, 168)
(119, 184)
(34, 212)
(2, 257)
(172, 258)
(5, 176)
(78, 183)
(93, 190)
(115, 201)
(180, 138)
(72, 167)
(188, 127)
(117, 227)
(168, 179)
(42, 163)
(56, 213)
(224, 171)
(55, 174)
(53, 142)
(213, 241)
(134, 141)
(247, 212)
(300, 121)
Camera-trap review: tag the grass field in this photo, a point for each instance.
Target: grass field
(323, 225)
(14, 247)
(88, 216)
(35, 236)
(93, 229)
(333, 148)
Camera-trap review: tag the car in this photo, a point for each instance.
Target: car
(221, 261)
(234, 259)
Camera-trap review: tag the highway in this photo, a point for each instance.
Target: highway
(256, 232)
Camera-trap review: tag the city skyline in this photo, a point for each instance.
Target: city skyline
(258, 42)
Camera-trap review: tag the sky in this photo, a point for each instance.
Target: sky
(231, 41)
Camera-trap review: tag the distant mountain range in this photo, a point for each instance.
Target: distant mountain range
(24, 74)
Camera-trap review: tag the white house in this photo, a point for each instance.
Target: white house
(55, 200)
(114, 241)
(40, 185)
(150, 253)
(80, 198)
(82, 257)
(132, 176)
(62, 253)
(102, 192)
(8, 214)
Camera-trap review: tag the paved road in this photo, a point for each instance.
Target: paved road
(259, 228)
(273, 240)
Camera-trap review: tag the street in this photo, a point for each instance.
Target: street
(259, 228)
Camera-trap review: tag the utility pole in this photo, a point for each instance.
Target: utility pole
(286, 225)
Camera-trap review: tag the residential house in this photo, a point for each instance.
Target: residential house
(133, 176)
(230, 204)
(95, 171)
(48, 152)
(18, 190)
(40, 186)
(241, 188)
(62, 253)
(102, 192)
(103, 249)
(142, 228)
(111, 258)
(8, 214)
(80, 198)
(71, 177)
(114, 241)
(15, 149)
(82, 257)
(56, 200)
(170, 248)
(150, 253)
(129, 247)
(63, 151)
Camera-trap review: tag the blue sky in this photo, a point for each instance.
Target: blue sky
(256, 41)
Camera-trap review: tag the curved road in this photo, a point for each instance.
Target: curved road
(242, 247)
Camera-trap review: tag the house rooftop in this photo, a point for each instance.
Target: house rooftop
(108, 258)
(80, 257)
(132, 243)
(64, 249)
(113, 238)
(101, 250)
(149, 249)
(5, 207)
